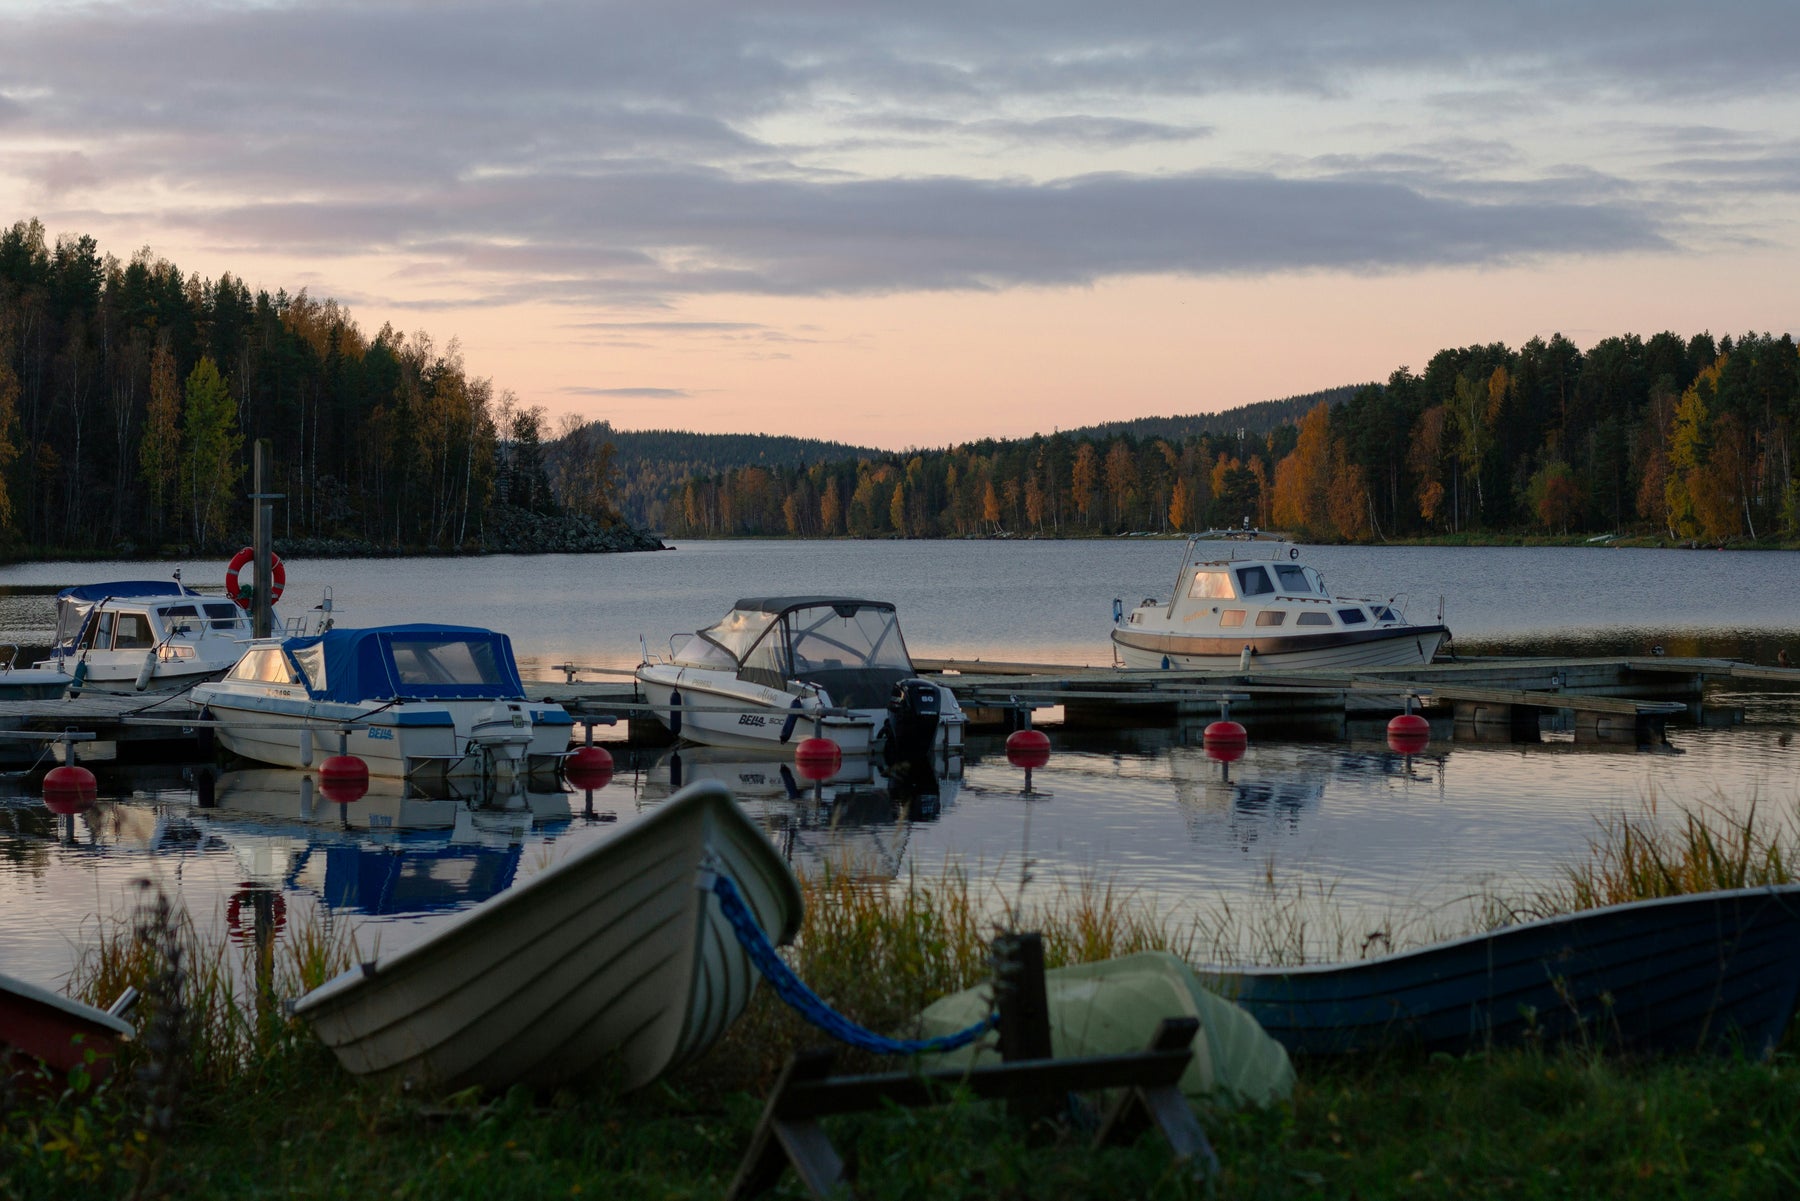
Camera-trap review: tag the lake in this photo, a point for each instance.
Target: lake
(1376, 842)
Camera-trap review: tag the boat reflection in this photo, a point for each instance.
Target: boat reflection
(856, 822)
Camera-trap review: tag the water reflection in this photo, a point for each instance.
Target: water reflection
(856, 821)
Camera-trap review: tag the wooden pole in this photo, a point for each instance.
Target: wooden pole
(262, 619)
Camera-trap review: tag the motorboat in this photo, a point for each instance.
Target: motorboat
(406, 699)
(610, 964)
(1262, 605)
(1705, 971)
(144, 634)
(777, 669)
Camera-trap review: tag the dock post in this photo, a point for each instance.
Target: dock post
(262, 613)
(1024, 1012)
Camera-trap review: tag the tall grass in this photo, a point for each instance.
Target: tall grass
(1637, 857)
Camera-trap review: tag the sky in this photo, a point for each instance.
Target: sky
(921, 223)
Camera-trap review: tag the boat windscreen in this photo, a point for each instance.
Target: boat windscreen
(446, 661)
(738, 631)
(827, 638)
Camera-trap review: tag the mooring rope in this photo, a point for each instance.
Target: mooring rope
(808, 1004)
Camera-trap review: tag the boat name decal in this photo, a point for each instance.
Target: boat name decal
(751, 719)
(379, 733)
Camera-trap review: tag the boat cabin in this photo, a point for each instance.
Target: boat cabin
(143, 615)
(413, 662)
(850, 647)
(1266, 595)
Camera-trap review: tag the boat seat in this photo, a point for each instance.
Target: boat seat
(857, 687)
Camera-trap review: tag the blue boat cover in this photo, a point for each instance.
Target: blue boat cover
(422, 661)
(125, 588)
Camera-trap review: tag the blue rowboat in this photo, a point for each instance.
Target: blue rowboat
(1716, 971)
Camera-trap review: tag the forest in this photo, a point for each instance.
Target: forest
(130, 395)
(1679, 438)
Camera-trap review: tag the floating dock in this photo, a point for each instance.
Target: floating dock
(1624, 700)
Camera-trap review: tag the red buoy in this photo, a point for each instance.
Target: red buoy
(589, 767)
(1225, 741)
(344, 778)
(818, 758)
(1028, 748)
(69, 789)
(1408, 734)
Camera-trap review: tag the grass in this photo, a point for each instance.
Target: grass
(225, 1097)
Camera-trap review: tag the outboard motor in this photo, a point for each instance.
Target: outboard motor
(913, 712)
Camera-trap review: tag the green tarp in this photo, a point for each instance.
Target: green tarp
(1113, 1006)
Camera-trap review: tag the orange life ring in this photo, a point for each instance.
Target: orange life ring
(234, 909)
(277, 577)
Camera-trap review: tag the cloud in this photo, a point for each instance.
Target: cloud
(631, 393)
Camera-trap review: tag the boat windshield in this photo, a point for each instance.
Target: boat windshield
(446, 661)
(738, 631)
(825, 638)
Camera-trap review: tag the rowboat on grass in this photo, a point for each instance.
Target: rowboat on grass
(37, 1025)
(610, 964)
(1715, 971)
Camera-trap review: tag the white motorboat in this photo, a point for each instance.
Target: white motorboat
(1263, 606)
(781, 668)
(405, 699)
(144, 634)
(612, 963)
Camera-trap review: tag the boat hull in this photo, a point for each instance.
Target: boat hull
(719, 710)
(37, 1025)
(613, 964)
(399, 741)
(1395, 646)
(1711, 971)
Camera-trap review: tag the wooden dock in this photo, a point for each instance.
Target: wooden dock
(1616, 700)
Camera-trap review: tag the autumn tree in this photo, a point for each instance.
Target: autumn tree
(210, 441)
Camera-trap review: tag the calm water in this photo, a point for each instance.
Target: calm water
(1390, 841)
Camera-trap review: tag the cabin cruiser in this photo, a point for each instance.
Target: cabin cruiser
(144, 634)
(1263, 606)
(779, 669)
(406, 699)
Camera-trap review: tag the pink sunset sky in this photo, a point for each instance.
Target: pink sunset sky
(916, 224)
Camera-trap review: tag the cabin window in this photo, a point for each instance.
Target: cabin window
(1232, 617)
(99, 631)
(1254, 581)
(181, 619)
(224, 614)
(132, 632)
(311, 660)
(446, 661)
(1313, 619)
(1270, 617)
(266, 666)
(1352, 617)
(1383, 613)
(1211, 585)
(1293, 579)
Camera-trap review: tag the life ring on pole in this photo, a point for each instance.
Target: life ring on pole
(277, 577)
(234, 911)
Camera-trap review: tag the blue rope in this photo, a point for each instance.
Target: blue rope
(807, 1004)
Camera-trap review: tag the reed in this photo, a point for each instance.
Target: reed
(1636, 857)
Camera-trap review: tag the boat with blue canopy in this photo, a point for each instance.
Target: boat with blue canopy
(406, 699)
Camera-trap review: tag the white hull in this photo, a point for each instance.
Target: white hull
(1401, 647)
(610, 964)
(734, 713)
(393, 741)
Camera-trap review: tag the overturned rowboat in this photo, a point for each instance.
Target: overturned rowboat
(40, 1026)
(1715, 971)
(612, 964)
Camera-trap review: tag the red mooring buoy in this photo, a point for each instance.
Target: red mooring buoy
(344, 778)
(1408, 734)
(1028, 748)
(589, 767)
(818, 758)
(1225, 741)
(69, 789)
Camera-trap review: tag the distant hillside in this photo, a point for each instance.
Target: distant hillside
(1254, 419)
(648, 464)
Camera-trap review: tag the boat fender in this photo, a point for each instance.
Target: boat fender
(675, 712)
(1165, 663)
(1118, 610)
(277, 577)
(146, 671)
(1293, 552)
(80, 678)
(787, 727)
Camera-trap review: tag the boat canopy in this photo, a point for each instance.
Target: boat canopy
(124, 590)
(421, 661)
(846, 644)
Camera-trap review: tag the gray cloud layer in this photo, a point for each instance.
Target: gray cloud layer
(626, 152)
